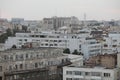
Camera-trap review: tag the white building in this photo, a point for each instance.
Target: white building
(95, 73)
(80, 42)
(112, 43)
(90, 47)
(17, 20)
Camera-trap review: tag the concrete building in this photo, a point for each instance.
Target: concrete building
(111, 43)
(104, 60)
(17, 20)
(90, 47)
(81, 42)
(88, 73)
(32, 64)
(56, 22)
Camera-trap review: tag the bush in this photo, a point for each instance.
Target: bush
(67, 50)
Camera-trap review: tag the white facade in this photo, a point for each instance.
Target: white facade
(57, 40)
(96, 73)
(90, 47)
(112, 43)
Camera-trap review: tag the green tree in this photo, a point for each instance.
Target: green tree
(75, 52)
(9, 32)
(24, 28)
(67, 50)
(14, 47)
(4, 36)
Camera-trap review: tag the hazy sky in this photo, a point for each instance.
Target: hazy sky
(38, 9)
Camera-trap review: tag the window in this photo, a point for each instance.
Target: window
(11, 57)
(68, 78)
(26, 56)
(20, 39)
(46, 44)
(76, 79)
(21, 66)
(105, 45)
(87, 73)
(69, 72)
(60, 41)
(95, 73)
(55, 44)
(36, 65)
(77, 72)
(79, 46)
(0, 68)
(55, 40)
(114, 45)
(51, 44)
(25, 39)
(106, 74)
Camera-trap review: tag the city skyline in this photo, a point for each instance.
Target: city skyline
(38, 9)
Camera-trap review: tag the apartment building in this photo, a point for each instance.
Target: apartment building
(104, 60)
(111, 43)
(32, 64)
(81, 42)
(55, 22)
(90, 73)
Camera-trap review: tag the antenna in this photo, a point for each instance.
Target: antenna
(84, 21)
(0, 13)
(84, 16)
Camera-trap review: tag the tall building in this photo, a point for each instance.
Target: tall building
(57, 22)
(17, 20)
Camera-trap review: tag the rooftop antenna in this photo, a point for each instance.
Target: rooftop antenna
(0, 13)
(85, 19)
(84, 16)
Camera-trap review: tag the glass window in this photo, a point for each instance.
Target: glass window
(77, 72)
(95, 73)
(106, 74)
(68, 78)
(69, 72)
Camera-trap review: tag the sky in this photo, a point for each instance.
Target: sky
(38, 9)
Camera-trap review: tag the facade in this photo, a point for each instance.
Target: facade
(32, 64)
(80, 42)
(111, 43)
(56, 22)
(118, 60)
(90, 47)
(75, 59)
(104, 60)
(17, 20)
(87, 73)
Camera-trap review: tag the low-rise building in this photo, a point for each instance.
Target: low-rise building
(90, 73)
(104, 60)
(81, 42)
(32, 64)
